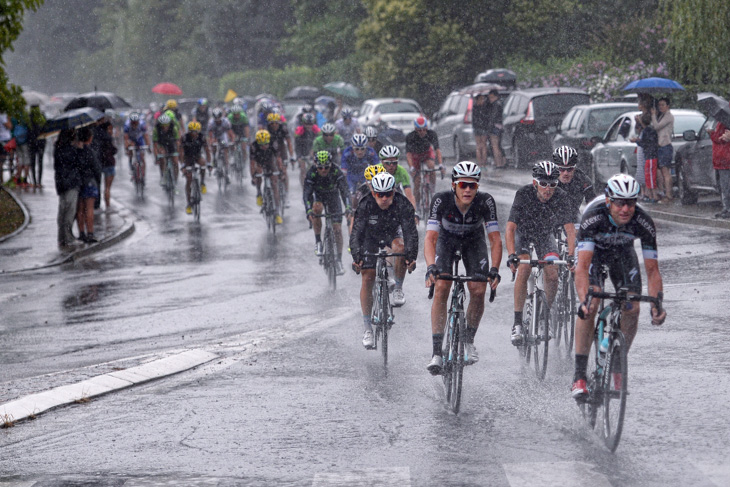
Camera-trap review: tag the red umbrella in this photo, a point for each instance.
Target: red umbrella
(167, 89)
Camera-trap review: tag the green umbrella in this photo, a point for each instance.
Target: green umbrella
(343, 89)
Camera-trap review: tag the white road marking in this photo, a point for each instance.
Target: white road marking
(366, 477)
(558, 474)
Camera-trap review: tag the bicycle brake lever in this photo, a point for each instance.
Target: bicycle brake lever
(430, 291)
(492, 295)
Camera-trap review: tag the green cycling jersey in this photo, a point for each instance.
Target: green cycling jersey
(320, 144)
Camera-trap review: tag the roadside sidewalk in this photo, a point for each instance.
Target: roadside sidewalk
(36, 246)
(700, 214)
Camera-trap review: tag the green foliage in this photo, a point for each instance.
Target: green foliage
(11, 24)
(271, 80)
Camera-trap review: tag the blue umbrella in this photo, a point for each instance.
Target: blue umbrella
(653, 85)
(71, 119)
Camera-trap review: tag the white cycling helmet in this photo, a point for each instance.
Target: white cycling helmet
(389, 152)
(466, 169)
(328, 128)
(622, 186)
(565, 156)
(134, 117)
(359, 140)
(370, 132)
(383, 182)
(164, 119)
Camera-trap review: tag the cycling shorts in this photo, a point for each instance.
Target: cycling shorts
(331, 202)
(372, 245)
(546, 247)
(417, 159)
(268, 166)
(623, 268)
(192, 160)
(170, 146)
(474, 254)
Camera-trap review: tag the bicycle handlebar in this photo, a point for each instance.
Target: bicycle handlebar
(449, 277)
(540, 263)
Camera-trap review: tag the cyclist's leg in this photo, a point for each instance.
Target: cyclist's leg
(547, 248)
(175, 165)
(431, 164)
(366, 291)
(399, 263)
(624, 272)
(444, 260)
(476, 261)
(188, 172)
(275, 189)
(415, 170)
(318, 207)
(201, 163)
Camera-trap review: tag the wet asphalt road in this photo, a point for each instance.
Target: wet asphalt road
(307, 405)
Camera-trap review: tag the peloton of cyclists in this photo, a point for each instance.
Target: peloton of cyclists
(609, 226)
(324, 187)
(355, 159)
(135, 135)
(389, 155)
(459, 220)
(264, 158)
(166, 141)
(330, 141)
(422, 147)
(304, 136)
(383, 215)
(192, 144)
(538, 208)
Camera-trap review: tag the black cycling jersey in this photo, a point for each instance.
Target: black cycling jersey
(192, 148)
(303, 143)
(578, 189)
(202, 117)
(265, 158)
(536, 220)
(598, 232)
(166, 138)
(317, 186)
(446, 216)
(415, 144)
(278, 138)
(373, 224)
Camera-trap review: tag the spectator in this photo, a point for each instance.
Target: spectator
(36, 145)
(107, 151)
(495, 128)
(648, 141)
(721, 163)
(20, 134)
(68, 181)
(645, 103)
(5, 136)
(480, 113)
(89, 192)
(663, 122)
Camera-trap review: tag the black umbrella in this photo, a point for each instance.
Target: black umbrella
(71, 119)
(714, 106)
(100, 100)
(303, 93)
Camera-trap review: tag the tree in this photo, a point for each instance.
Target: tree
(11, 24)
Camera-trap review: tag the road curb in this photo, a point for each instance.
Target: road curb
(26, 215)
(30, 406)
(655, 214)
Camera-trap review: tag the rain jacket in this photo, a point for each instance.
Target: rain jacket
(720, 148)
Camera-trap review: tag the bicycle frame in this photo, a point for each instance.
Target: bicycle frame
(195, 193)
(136, 165)
(329, 256)
(268, 209)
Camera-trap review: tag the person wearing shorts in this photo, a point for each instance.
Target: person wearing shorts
(648, 141)
(663, 122)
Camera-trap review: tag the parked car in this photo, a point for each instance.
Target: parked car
(398, 113)
(531, 117)
(583, 125)
(615, 152)
(452, 123)
(693, 164)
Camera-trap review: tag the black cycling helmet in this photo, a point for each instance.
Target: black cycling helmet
(545, 171)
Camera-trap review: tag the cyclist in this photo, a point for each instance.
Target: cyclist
(365, 188)
(265, 159)
(201, 113)
(458, 221)
(240, 128)
(607, 232)
(383, 215)
(172, 111)
(281, 141)
(355, 159)
(538, 208)
(192, 144)
(422, 147)
(389, 155)
(329, 141)
(135, 135)
(166, 141)
(572, 180)
(304, 136)
(220, 133)
(324, 186)
(347, 126)
(372, 134)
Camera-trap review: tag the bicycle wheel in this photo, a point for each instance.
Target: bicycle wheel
(329, 258)
(447, 353)
(195, 199)
(282, 197)
(170, 185)
(571, 307)
(239, 165)
(385, 313)
(614, 384)
(541, 334)
(525, 349)
(457, 366)
(138, 180)
(589, 408)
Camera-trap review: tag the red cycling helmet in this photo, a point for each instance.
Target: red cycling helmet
(421, 123)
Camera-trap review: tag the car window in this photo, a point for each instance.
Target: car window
(613, 131)
(508, 106)
(566, 120)
(445, 107)
(398, 107)
(463, 103)
(709, 126)
(454, 106)
(687, 122)
(366, 110)
(576, 119)
(557, 104)
(521, 105)
(600, 120)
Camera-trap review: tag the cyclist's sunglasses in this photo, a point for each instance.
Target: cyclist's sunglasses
(360, 149)
(329, 135)
(390, 161)
(566, 169)
(466, 185)
(372, 139)
(320, 167)
(546, 184)
(620, 203)
(386, 194)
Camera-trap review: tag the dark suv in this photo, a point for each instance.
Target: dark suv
(531, 118)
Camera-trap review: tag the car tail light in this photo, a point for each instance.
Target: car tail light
(588, 143)
(467, 115)
(529, 116)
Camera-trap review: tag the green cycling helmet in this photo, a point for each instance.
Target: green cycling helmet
(323, 158)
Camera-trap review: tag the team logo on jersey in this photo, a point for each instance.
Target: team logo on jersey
(646, 224)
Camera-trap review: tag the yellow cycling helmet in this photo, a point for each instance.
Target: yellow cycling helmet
(273, 117)
(263, 137)
(194, 126)
(371, 171)
(171, 104)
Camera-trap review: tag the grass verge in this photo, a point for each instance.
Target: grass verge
(11, 216)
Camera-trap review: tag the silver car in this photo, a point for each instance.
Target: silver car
(452, 124)
(617, 153)
(398, 113)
